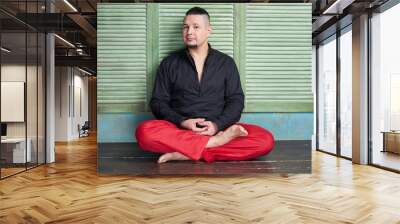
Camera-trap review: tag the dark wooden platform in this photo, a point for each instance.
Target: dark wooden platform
(128, 158)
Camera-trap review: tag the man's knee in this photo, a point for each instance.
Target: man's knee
(144, 129)
(267, 142)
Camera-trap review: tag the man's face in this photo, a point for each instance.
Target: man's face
(196, 29)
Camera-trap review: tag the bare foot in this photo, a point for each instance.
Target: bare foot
(172, 156)
(231, 133)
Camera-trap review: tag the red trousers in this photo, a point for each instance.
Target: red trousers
(162, 137)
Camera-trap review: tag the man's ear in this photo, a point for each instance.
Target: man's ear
(209, 29)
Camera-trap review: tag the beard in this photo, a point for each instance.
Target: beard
(191, 46)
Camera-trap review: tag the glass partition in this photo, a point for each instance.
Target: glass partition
(385, 89)
(41, 87)
(13, 94)
(32, 95)
(22, 87)
(327, 95)
(346, 93)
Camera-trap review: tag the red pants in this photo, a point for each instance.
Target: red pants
(162, 137)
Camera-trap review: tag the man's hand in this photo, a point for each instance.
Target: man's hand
(211, 128)
(190, 124)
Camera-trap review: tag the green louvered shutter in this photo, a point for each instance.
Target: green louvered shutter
(271, 44)
(278, 58)
(171, 20)
(121, 57)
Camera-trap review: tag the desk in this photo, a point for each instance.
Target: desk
(391, 141)
(17, 147)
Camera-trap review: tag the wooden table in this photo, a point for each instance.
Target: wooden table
(15, 147)
(391, 141)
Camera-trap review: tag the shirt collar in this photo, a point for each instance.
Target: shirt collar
(210, 51)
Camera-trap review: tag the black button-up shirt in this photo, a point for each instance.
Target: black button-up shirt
(178, 95)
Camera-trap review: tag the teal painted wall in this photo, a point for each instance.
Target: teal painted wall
(284, 126)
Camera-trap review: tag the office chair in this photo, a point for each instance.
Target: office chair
(84, 130)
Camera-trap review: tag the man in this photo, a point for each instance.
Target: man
(198, 98)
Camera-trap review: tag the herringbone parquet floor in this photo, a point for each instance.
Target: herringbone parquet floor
(70, 191)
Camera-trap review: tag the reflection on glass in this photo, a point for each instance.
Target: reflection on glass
(13, 87)
(327, 96)
(31, 101)
(41, 99)
(346, 94)
(395, 102)
(22, 89)
(386, 89)
(32, 86)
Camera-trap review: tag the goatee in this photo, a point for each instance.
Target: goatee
(192, 46)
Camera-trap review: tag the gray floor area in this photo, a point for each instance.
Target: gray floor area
(128, 158)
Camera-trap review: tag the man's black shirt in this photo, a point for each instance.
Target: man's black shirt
(178, 95)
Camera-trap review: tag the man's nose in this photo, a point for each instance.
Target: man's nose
(190, 30)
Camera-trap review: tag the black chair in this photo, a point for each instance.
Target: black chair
(84, 130)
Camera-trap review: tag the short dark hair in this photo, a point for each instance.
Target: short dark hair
(198, 11)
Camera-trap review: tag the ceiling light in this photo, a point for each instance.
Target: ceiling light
(79, 51)
(338, 6)
(5, 50)
(65, 41)
(70, 5)
(84, 71)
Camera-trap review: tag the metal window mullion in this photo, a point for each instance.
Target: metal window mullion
(26, 86)
(37, 90)
(73, 91)
(369, 89)
(45, 94)
(317, 97)
(69, 91)
(338, 98)
(0, 92)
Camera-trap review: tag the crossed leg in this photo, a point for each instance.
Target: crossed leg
(220, 139)
(238, 142)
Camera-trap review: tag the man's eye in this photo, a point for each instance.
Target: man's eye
(196, 27)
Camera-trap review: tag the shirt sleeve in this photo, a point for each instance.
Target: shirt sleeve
(234, 100)
(160, 99)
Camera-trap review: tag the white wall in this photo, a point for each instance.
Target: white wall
(62, 81)
(13, 72)
(80, 109)
(17, 73)
(33, 127)
(71, 87)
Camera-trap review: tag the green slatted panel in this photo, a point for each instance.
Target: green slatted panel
(278, 58)
(271, 44)
(171, 20)
(121, 57)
